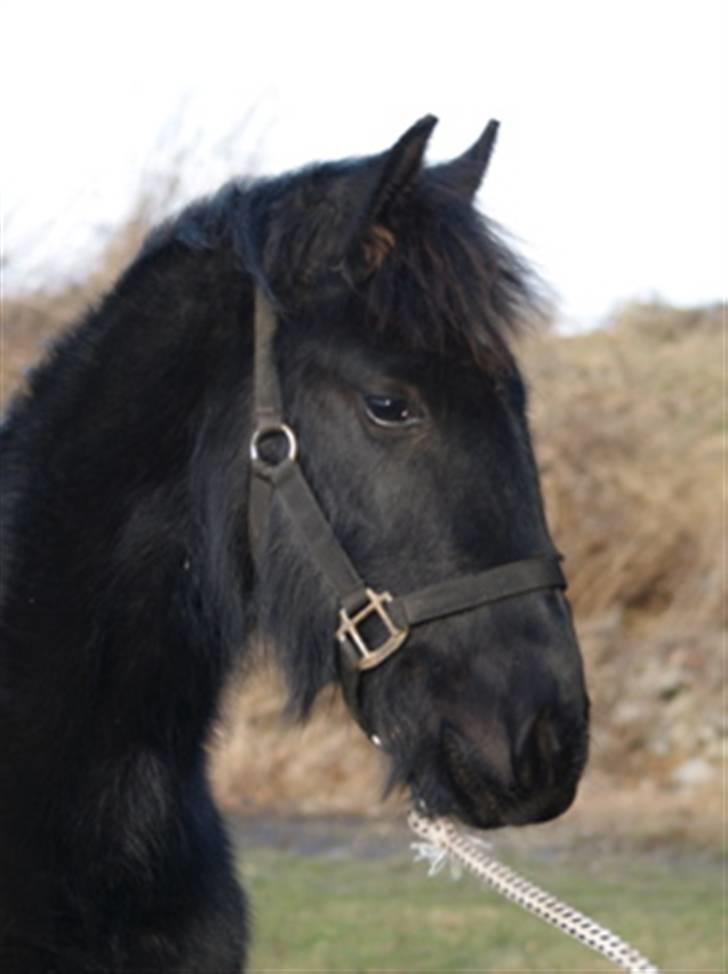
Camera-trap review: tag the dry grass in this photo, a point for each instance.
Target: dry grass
(629, 431)
(262, 761)
(628, 424)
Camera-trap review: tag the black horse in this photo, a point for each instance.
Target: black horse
(131, 584)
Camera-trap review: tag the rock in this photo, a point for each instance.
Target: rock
(696, 771)
(628, 712)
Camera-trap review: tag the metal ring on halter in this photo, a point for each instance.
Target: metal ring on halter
(271, 429)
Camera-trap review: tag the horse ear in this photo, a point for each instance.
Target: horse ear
(394, 174)
(400, 166)
(307, 233)
(465, 174)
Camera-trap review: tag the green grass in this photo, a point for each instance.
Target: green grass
(314, 914)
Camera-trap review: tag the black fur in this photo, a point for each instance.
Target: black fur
(128, 591)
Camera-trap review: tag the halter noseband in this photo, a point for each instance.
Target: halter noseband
(357, 601)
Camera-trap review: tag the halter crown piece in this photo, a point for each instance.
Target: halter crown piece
(391, 616)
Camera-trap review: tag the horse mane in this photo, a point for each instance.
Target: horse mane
(443, 276)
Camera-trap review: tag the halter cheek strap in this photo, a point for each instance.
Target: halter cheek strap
(372, 625)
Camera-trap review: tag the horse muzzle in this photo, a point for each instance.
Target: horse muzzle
(530, 779)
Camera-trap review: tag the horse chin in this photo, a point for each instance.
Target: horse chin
(477, 803)
(541, 810)
(480, 807)
(491, 810)
(487, 814)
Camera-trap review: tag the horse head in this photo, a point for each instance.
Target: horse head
(393, 304)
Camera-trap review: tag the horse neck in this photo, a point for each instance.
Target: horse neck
(123, 528)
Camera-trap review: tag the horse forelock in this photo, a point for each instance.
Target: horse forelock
(449, 282)
(436, 273)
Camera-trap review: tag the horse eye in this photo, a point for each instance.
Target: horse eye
(391, 410)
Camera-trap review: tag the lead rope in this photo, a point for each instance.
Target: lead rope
(443, 840)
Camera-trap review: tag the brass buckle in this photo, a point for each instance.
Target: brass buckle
(370, 657)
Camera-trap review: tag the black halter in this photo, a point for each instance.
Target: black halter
(392, 617)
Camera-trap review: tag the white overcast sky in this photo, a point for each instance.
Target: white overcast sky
(611, 163)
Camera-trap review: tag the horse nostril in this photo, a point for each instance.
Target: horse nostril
(536, 751)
